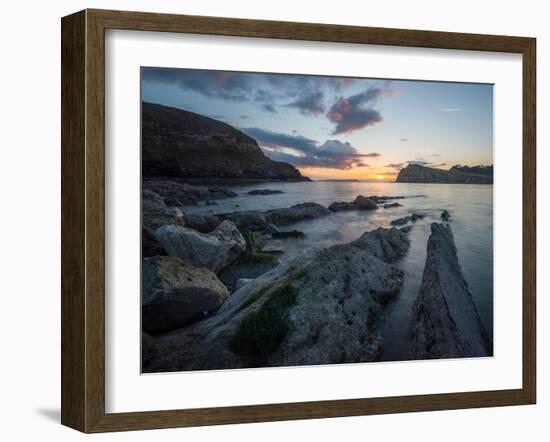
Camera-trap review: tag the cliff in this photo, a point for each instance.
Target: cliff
(178, 143)
(415, 173)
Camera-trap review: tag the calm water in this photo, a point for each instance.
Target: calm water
(470, 206)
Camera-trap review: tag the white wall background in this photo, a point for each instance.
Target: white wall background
(30, 217)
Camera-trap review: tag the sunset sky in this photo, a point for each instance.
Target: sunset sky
(339, 128)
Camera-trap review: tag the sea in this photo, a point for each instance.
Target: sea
(470, 207)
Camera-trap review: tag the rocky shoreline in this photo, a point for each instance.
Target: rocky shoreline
(215, 294)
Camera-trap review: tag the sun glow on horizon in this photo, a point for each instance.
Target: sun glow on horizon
(320, 173)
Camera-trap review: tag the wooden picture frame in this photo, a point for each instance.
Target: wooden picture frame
(83, 220)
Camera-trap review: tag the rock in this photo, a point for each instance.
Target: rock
(406, 229)
(445, 215)
(401, 221)
(155, 213)
(264, 192)
(389, 245)
(147, 348)
(250, 266)
(174, 293)
(177, 143)
(364, 203)
(360, 203)
(242, 282)
(149, 244)
(391, 205)
(415, 173)
(201, 223)
(323, 307)
(445, 321)
(298, 212)
(341, 206)
(274, 246)
(252, 219)
(178, 194)
(411, 218)
(221, 193)
(381, 198)
(213, 251)
(288, 234)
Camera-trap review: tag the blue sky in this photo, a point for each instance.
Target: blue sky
(334, 127)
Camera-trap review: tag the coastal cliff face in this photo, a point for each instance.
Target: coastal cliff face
(415, 173)
(177, 143)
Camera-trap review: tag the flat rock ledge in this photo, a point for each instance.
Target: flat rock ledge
(445, 321)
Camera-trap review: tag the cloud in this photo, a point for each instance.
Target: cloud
(355, 112)
(404, 140)
(373, 155)
(304, 91)
(419, 162)
(305, 152)
(450, 109)
(268, 107)
(396, 166)
(311, 104)
(216, 84)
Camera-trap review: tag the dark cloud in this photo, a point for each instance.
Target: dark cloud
(224, 85)
(305, 152)
(268, 107)
(373, 155)
(355, 112)
(311, 104)
(404, 140)
(243, 86)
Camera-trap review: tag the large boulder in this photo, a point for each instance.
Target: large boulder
(298, 212)
(445, 322)
(360, 203)
(174, 293)
(364, 203)
(323, 307)
(213, 251)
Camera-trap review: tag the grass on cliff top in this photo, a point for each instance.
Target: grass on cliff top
(261, 332)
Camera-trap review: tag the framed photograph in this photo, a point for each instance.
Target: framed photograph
(267, 221)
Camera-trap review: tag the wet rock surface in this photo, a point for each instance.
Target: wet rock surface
(321, 308)
(445, 322)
